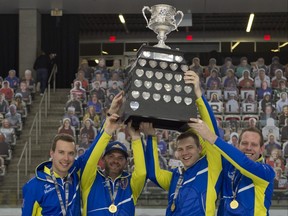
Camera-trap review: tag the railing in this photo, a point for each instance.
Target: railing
(24, 151)
(37, 125)
(53, 74)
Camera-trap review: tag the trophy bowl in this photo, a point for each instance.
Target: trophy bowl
(162, 21)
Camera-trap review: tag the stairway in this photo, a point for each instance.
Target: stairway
(40, 152)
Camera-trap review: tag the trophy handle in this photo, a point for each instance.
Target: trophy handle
(143, 12)
(181, 18)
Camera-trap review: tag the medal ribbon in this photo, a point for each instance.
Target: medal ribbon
(178, 186)
(114, 193)
(63, 208)
(234, 192)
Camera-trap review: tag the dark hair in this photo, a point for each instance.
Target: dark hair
(189, 134)
(254, 130)
(63, 137)
(243, 58)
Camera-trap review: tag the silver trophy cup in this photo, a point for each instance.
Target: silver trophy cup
(162, 21)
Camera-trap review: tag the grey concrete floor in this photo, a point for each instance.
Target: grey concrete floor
(139, 212)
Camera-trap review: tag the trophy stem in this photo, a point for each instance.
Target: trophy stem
(162, 36)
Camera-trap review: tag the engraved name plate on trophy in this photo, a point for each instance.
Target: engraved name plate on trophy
(155, 90)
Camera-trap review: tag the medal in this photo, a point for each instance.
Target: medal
(172, 208)
(112, 208)
(234, 204)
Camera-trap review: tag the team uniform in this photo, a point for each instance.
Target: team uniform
(193, 191)
(41, 198)
(103, 196)
(247, 186)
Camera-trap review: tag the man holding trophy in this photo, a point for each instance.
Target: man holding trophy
(247, 183)
(160, 79)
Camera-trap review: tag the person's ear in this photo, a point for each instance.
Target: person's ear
(51, 154)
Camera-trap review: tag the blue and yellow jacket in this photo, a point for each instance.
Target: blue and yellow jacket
(95, 194)
(255, 182)
(199, 189)
(40, 197)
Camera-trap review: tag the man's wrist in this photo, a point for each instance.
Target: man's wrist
(133, 138)
(212, 139)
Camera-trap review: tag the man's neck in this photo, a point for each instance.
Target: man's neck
(60, 174)
(113, 176)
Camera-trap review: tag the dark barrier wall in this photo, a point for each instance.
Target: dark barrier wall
(9, 40)
(60, 35)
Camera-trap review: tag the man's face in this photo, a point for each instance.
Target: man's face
(268, 110)
(283, 97)
(87, 123)
(188, 152)
(116, 63)
(262, 74)
(102, 62)
(23, 86)
(5, 85)
(274, 154)
(98, 76)
(63, 157)
(234, 140)
(196, 61)
(271, 138)
(28, 76)
(230, 74)
(11, 73)
(12, 110)
(114, 162)
(250, 145)
(246, 74)
(244, 62)
(285, 110)
(260, 61)
(5, 123)
(264, 85)
(278, 75)
(66, 123)
(81, 74)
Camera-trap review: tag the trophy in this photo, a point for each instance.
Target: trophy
(155, 90)
(162, 21)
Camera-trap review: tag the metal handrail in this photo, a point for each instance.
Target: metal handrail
(37, 122)
(53, 74)
(18, 167)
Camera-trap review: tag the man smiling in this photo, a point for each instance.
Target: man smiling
(192, 190)
(55, 188)
(247, 183)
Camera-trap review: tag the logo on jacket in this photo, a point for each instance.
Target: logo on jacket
(231, 174)
(48, 188)
(124, 183)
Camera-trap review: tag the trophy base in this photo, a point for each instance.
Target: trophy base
(168, 124)
(162, 45)
(155, 90)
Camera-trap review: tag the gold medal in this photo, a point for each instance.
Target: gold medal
(172, 208)
(234, 204)
(112, 208)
